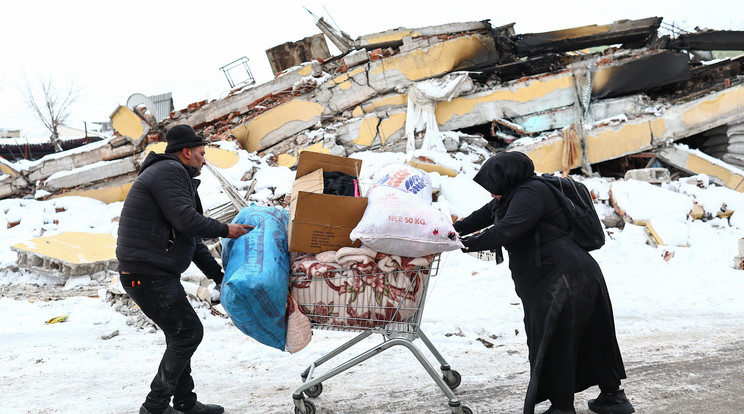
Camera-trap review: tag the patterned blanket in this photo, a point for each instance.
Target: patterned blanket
(358, 287)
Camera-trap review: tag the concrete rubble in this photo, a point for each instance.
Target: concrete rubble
(581, 98)
(596, 99)
(68, 254)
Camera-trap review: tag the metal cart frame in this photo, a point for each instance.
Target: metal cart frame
(401, 329)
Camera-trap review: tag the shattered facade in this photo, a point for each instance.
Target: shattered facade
(586, 99)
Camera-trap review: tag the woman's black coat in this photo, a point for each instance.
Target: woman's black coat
(567, 311)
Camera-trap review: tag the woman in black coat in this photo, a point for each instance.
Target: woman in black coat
(567, 311)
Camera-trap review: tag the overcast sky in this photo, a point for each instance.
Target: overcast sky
(110, 51)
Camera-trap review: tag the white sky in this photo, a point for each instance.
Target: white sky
(111, 51)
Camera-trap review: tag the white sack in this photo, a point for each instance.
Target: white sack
(399, 223)
(407, 178)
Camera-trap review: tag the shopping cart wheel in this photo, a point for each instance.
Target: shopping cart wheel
(310, 408)
(466, 410)
(455, 381)
(314, 391)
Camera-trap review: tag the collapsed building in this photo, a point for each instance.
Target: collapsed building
(594, 99)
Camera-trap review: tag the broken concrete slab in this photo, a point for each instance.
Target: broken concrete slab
(642, 72)
(668, 232)
(643, 133)
(129, 124)
(348, 90)
(710, 40)
(91, 173)
(649, 175)
(109, 149)
(359, 101)
(239, 101)
(637, 202)
(7, 168)
(621, 31)
(395, 37)
(68, 254)
(16, 185)
(697, 162)
(109, 191)
(290, 54)
(33, 178)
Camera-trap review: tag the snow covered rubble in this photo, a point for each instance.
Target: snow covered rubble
(678, 308)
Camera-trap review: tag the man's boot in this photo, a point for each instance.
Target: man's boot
(168, 410)
(553, 410)
(611, 403)
(200, 408)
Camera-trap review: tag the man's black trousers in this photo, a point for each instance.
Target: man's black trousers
(163, 300)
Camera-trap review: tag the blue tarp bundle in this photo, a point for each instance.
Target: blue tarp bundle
(254, 290)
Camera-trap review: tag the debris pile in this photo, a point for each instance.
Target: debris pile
(585, 98)
(619, 100)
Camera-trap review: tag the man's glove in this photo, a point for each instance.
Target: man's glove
(465, 242)
(216, 293)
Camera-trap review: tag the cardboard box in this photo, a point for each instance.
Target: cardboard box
(320, 222)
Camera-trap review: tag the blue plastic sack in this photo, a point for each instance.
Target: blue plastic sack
(254, 289)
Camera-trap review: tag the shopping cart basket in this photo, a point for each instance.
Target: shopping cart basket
(371, 301)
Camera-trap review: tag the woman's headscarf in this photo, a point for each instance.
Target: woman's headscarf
(504, 171)
(502, 174)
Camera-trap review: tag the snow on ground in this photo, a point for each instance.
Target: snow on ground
(690, 303)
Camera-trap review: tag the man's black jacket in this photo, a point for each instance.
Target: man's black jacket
(162, 222)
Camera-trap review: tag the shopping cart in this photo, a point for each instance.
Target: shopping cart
(367, 300)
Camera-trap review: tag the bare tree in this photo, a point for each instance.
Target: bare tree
(54, 109)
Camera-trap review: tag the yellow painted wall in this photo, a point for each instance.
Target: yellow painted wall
(611, 143)
(344, 78)
(286, 160)
(456, 107)
(306, 70)
(6, 169)
(390, 37)
(317, 147)
(217, 157)
(127, 123)
(547, 156)
(436, 59)
(367, 131)
(73, 247)
(289, 161)
(702, 166)
(394, 100)
(729, 101)
(391, 125)
(606, 144)
(535, 90)
(221, 158)
(107, 195)
(252, 132)
(340, 79)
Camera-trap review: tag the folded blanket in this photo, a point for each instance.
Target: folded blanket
(375, 290)
(346, 256)
(389, 263)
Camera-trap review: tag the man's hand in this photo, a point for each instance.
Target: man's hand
(236, 230)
